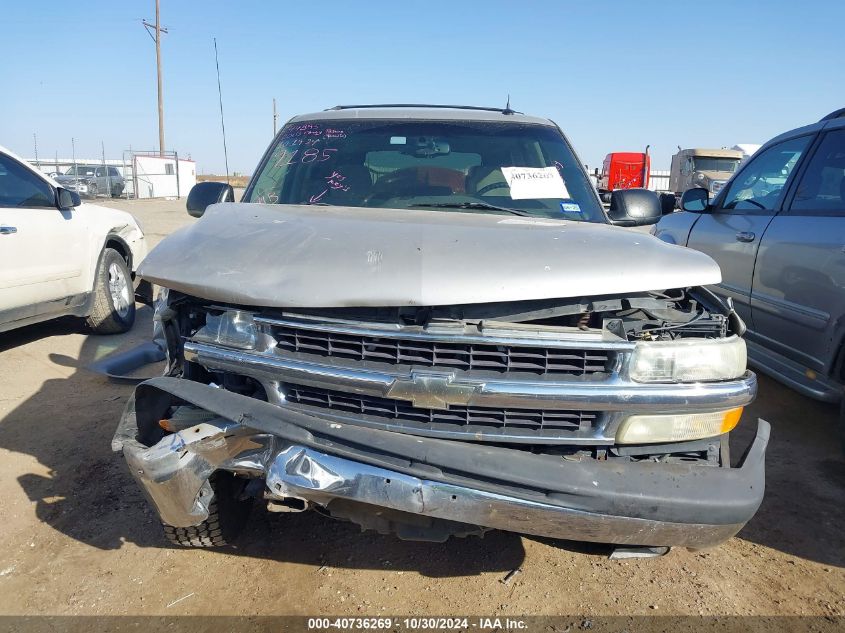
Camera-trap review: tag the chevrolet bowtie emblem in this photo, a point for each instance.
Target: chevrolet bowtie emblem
(432, 390)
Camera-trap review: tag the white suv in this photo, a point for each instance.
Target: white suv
(59, 257)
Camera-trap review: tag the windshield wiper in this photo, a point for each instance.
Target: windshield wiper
(473, 205)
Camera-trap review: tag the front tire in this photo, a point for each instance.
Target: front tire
(227, 516)
(113, 310)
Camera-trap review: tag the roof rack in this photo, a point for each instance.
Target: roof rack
(506, 110)
(836, 114)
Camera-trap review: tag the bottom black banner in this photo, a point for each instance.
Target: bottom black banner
(474, 623)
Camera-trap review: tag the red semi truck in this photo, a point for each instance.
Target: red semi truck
(625, 170)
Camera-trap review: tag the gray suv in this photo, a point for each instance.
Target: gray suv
(421, 320)
(777, 230)
(93, 180)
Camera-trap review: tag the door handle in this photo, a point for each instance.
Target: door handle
(745, 236)
(8, 230)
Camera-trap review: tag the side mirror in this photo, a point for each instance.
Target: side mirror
(604, 196)
(68, 199)
(695, 200)
(204, 194)
(634, 207)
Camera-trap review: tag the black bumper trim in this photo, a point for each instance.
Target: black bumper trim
(677, 493)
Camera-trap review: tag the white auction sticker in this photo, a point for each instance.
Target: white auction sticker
(534, 183)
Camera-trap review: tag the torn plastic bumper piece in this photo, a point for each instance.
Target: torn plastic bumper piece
(304, 457)
(119, 367)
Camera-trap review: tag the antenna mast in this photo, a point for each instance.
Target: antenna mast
(222, 124)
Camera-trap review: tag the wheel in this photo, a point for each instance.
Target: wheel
(113, 310)
(92, 189)
(227, 516)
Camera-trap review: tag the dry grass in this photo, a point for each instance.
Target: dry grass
(235, 181)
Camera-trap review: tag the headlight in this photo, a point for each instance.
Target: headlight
(699, 177)
(681, 427)
(233, 328)
(688, 360)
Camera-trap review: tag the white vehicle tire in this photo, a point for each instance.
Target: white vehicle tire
(113, 307)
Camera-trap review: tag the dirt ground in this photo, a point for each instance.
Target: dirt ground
(78, 537)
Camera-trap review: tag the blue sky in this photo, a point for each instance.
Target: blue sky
(613, 75)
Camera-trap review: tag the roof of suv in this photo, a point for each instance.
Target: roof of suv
(836, 114)
(834, 120)
(424, 112)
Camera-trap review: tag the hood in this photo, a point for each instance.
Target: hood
(715, 175)
(60, 178)
(317, 256)
(102, 221)
(108, 215)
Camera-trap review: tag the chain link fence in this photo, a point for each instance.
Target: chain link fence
(136, 174)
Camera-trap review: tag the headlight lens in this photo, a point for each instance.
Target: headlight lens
(233, 328)
(689, 360)
(651, 429)
(699, 177)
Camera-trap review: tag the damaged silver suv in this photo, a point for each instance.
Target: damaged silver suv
(421, 320)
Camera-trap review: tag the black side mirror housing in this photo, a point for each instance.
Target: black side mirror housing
(204, 194)
(668, 202)
(634, 207)
(695, 200)
(68, 199)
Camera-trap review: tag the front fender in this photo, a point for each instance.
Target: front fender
(675, 228)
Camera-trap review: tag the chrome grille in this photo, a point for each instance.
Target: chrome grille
(466, 419)
(429, 353)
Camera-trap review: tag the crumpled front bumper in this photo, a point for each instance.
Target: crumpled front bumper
(322, 462)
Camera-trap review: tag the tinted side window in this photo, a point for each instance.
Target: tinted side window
(760, 184)
(822, 186)
(113, 172)
(19, 187)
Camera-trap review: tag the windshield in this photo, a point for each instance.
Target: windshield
(80, 170)
(466, 166)
(703, 163)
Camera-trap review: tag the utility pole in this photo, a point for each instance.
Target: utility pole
(159, 29)
(158, 72)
